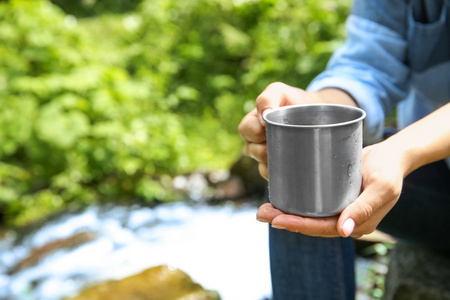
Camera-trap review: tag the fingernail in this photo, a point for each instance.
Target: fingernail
(348, 227)
(278, 227)
(262, 220)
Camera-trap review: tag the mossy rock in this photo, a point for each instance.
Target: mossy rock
(158, 283)
(417, 273)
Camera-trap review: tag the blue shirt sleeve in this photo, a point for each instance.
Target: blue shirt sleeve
(371, 67)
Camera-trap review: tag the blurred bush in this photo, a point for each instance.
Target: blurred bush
(108, 108)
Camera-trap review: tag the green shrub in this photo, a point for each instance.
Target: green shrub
(101, 108)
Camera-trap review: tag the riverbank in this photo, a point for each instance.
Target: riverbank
(221, 247)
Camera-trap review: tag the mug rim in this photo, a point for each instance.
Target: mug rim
(361, 111)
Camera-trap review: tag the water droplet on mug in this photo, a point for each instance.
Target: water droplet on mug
(350, 169)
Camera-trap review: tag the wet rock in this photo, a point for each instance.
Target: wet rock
(239, 183)
(232, 188)
(247, 170)
(37, 254)
(158, 283)
(195, 186)
(416, 273)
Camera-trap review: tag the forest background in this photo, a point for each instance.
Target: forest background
(107, 101)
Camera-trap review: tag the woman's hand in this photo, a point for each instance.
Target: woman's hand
(252, 126)
(381, 186)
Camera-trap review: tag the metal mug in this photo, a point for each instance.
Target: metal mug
(314, 157)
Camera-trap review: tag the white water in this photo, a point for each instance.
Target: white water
(222, 248)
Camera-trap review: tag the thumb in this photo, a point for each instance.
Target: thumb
(356, 214)
(347, 227)
(272, 97)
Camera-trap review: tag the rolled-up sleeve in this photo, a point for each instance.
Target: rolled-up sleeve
(371, 67)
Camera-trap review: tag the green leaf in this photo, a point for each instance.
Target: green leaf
(59, 127)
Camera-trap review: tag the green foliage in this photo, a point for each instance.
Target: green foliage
(107, 108)
(372, 280)
(90, 8)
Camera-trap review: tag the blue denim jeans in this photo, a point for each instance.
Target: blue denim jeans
(304, 267)
(311, 268)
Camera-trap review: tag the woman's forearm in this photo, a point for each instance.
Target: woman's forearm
(425, 141)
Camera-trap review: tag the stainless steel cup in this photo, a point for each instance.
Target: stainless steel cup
(314, 158)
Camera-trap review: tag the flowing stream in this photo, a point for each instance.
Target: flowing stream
(223, 248)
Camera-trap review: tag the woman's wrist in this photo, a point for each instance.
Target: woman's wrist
(403, 152)
(334, 96)
(423, 142)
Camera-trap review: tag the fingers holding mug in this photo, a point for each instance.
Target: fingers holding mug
(279, 94)
(258, 152)
(250, 128)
